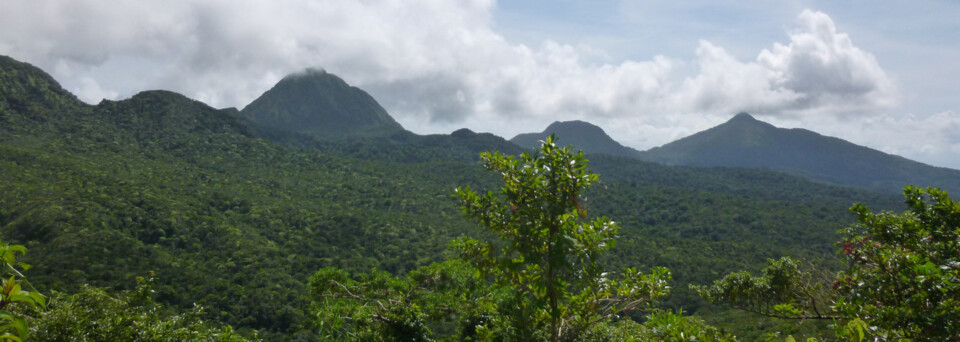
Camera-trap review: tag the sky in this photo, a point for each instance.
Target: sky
(880, 74)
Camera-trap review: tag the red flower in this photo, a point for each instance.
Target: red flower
(847, 248)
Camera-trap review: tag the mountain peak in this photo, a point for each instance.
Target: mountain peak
(575, 126)
(463, 132)
(25, 84)
(586, 136)
(314, 101)
(743, 117)
(744, 125)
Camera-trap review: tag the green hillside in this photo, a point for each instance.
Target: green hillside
(236, 216)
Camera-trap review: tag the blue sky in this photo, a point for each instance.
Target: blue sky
(914, 40)
(880, 74)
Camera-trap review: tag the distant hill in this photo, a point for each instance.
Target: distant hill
(583, 135)
(744, 141)
(159, 115)
(319, 103)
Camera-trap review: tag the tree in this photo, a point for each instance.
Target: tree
(903, 277)
(13, 327)
(548, 251)
(377, 306)
(783, 290)
(373, 306)
(94, 315)
(902, 280)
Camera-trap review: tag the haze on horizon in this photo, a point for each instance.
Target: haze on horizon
(647, 72)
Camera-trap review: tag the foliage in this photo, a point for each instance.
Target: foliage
(782, 291)
(903, 277)
(376, 306)
(901, 281)
(659, 325)
(93, 315)
(13, 327)
(548, 253)
(668, 326)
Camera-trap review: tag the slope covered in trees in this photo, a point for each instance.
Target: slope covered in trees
(747, 142)
(235, 219)
(316, 102)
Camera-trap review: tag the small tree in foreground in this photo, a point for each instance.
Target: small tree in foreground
(540, 281)
(904, 274)
(902, 281)
(548, 253)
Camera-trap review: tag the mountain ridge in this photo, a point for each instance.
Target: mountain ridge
(586, 136)
(30, 92)
(744, 141)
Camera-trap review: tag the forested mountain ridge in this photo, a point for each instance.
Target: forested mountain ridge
(744, 141)
(29, 96)
(319, 103)
(235, 222)
(584, 135)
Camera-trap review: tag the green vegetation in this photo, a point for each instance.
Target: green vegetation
(236, 217)
(94, 315)
(549, 258)
(441, 299)
(541, 280)
(902, 280)
(13, 296)
(903, 275)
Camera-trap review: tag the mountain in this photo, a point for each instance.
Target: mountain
(744, 141)
(583, 135)
(162, 186)
(29, 95)
(319, 103)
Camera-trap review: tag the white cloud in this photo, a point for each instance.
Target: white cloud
(827, 69)
(90, 89)
(932, 138)
(438, 65)
(428, 61)
(725, 85)
(820, 71)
